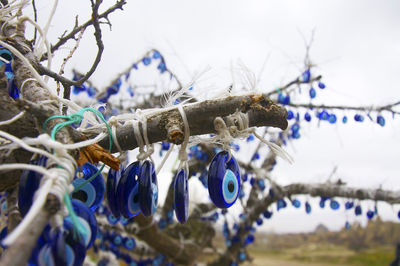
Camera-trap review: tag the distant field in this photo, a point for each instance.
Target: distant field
(321, 255)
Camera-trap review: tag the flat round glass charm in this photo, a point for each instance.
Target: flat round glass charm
(148, 189)
(92, 193)
(223, 180)
(75, 245)
(129, 243)
(28, 184)
(128, 191)
(87, 220)
(181, 196)
(112, 183)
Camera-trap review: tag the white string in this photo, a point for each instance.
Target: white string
(12, 120)
(150, 149)
(23, 84)
(138, 137)
(165, 158)
(113, 122)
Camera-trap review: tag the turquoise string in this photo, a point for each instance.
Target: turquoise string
(77, 119)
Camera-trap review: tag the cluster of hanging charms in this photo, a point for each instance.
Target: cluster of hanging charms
(62, 243)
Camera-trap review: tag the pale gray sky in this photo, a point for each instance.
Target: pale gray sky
(356, 48)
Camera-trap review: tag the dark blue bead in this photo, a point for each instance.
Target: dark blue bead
(92, 193)
(271, 193)
(290, 115)
(148, 188)
(156, 55)
(324, 115)
(305, 77)
(162, 67)
(380, 120)
(111, 191)
(344, 119)
(91, 92)
(249, 239)
(358, 210)
(223, 180)
(334, 205)
(261, 184)
(296, 203)
(128, 191)
(358, 118)
(165, 146)
(28, 184)
(255, 156)
(250, 138)
(370, 214)
(332, 118)
(295, 127)
(348, 205)
(87, 220)
(13, 89)
(307, 117)
(281, 204)
(181, 196)
(162, 224)
(322, 204)
(134, 66)
(308, 207)
(259, 221)
(146, 61)
(347, 225)
(245, 177)
(321, 85)
(312, 93)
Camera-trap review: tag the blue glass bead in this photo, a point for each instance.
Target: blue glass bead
(124, 221)
(249, 239)
(28, 184)
(245, 177)
(290, 115)
(61, 252)
(146, 61)
(259, 221)
(322, 203)
(13, 89)
(312, 93)
(162, 67)
(223, 180)
(134, 66)
(295, 127)
(261, 184)
(117, 239)
(87, 220)
(111, 190)
(348, 205)
(255, 156)
(324, 115)
(281, 98)
(241, 193)
(370, 214)
(148, 189)
(128, 191)
(131, 92)
(252, 181)
(156, 55)
(165, 146)
(271, 193)
(92, 193)
(380, 120)
(398, 215)
(228, 243)
(332, 118)
(181, 196)
(305, 77)
(358, 210)
(358, 118)
(250, 138)
(308, 207)
(347, 225)
(281, 203)
(91, 92)
(129, 243)
(242, 256)
(112, 219)
(344, 119)
(307, 117)
(321, 85)
(296, 203)
(334, 205)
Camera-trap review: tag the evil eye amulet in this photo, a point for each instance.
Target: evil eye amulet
(28, 184)
(112, 183)
(92, 193)
(223, 180)
(86, 219)
(128, 191)
(181, 196)
(148, 189)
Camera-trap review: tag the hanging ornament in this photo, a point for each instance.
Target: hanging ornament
(112, 183)
(148, 189)
(92, 193)
(128, 191)
(181, 196)
(223, 180)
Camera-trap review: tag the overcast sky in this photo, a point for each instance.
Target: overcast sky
(356, 49)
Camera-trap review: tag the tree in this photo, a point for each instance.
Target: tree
(40, 117)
